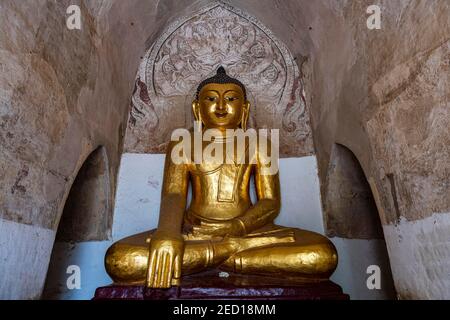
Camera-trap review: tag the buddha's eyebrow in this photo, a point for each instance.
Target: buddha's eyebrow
(234, 91)
(215, 91)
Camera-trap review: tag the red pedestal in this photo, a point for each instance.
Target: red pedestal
(209, 285)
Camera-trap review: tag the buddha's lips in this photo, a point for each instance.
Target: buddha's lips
(221, 114)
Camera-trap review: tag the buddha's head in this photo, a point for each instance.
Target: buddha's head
(221, 102)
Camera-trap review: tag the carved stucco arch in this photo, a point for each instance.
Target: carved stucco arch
(190, 50)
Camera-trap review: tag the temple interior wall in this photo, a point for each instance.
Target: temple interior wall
(137, 209)
(383, 94)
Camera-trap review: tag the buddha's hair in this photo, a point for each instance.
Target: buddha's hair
(221, 77)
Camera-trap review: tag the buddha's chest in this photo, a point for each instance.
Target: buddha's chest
(221, 183)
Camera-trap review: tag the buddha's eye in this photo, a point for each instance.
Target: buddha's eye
(211, 99)
(231, 98)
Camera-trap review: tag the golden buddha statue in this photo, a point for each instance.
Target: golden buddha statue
(222, 228)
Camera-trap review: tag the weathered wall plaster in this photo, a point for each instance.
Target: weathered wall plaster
(382, 93)
(189, 51)
(385, 95)
(24, 255)
(421, 263)
(137, 210)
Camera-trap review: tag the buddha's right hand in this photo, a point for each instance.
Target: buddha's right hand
(165, 259)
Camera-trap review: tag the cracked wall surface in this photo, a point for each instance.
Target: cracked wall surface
(190, 50)
(383, 94)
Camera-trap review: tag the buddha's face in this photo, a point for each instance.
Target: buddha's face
(221, 106)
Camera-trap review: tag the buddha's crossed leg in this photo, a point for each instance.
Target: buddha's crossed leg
(273, 250)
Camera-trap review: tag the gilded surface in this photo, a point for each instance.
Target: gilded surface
(221, 228)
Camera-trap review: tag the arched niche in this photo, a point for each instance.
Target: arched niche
(191, 49)
(350, 208)
(350, 212)
(87, 216)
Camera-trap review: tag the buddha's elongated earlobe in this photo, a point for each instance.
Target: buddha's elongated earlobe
(245, 115)
(196, 112)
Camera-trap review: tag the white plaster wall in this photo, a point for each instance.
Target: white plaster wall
(355, 255)
(23, 264)
(139, 192)
(89, 256)
(137, 208)
(421, 264)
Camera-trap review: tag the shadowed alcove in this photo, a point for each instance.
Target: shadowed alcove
(383, 94)
(350, 208)
(86, 217)
(350, 211)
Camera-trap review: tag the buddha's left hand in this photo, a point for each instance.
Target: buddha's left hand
(231, 227)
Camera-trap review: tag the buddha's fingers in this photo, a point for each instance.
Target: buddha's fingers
(169, 269)
(176, 278)
(151, 269)
(177, 267)
(176, 282)
(159, 270)
(164, 271)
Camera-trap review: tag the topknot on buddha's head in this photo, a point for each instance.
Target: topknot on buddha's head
(220, 77)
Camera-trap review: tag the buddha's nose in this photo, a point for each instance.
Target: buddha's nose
(221, 105)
